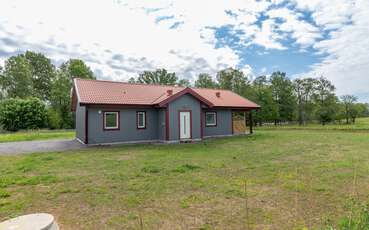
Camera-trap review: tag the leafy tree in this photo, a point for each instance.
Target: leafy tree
(327, 111)
(62, 84)
(324, 89)
(159, 77)
(16, 80)
(358, 110)
(54, 119)
(60, 98)
(232, 79)
(299, 91)
(43, 73)
(262, 95)
(364, 109)
(76, 68)
(325, 100)
(304, 90)
(184, 83)
(2, 78)
(132, 80)
(283, 96)
(204, 80)
(18, 114)
(348, 101)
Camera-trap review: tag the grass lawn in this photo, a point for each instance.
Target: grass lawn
(361, 124)
(285, 179)
(33, 135)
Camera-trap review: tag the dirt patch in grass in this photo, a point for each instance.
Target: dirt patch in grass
(125, 157)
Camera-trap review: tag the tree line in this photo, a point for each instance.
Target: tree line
(35, 93)
(281, 99)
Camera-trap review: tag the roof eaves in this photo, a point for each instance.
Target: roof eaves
(182, 92)
(76, 88)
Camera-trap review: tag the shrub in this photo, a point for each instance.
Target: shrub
(18, 114)
(54, 119)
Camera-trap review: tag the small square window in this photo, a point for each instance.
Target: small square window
(141, 120)
(211, 119)
(111, 120)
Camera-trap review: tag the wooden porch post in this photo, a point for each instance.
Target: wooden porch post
(250, 121)
(245, 120)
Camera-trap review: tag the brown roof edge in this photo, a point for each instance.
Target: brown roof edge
(237, 108)
(183, 92)
(74, 95)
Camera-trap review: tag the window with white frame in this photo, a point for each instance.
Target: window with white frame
(141, 120)
(111, 120)
(211, 119)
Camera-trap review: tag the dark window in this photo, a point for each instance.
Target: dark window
(211, 119)
(141, 120)
(111, 120)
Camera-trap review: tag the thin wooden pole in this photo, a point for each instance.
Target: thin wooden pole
(250, 121)
(245, 120)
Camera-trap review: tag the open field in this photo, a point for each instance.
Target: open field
(272, 180)
(33, 135)
(361, 124)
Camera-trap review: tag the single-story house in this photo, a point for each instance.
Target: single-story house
(117, 112)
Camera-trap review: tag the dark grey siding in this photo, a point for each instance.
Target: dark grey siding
(224, 124)
(185, 102)
(128, 130)
(155, 124)
(80, 122)
(161, 124)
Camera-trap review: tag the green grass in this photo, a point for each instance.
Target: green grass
(287, 179)
(32, 135)
(361, 124)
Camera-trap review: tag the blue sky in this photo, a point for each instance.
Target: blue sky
(121, 38)
(291, 60)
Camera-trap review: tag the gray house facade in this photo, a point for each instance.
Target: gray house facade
(114, 112)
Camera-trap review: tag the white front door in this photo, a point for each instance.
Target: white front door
(184, 125)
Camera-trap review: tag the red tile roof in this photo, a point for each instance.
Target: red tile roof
(121, 93)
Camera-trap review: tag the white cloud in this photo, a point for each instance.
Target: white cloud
(328, 14)
(347, 60)
(248, 71)
(139, 31)
(87, 29)
(305, 34)
(120, 38)
(268, 36)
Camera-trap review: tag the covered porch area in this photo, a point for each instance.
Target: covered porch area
(242, 122)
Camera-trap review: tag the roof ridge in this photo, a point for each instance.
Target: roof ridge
(212, 89)
(128, 83)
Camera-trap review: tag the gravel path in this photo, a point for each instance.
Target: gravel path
(22, 147)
